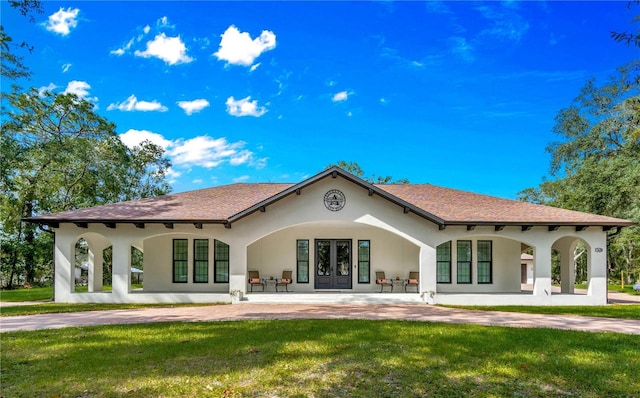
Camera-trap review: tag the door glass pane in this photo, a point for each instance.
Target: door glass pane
(343, 258)
(324, 258)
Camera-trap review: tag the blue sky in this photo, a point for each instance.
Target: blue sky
(457, 94)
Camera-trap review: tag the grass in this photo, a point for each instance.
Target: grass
(626, 311)
(31, 294)
(628, 289)
(44, 293)
(317, 358)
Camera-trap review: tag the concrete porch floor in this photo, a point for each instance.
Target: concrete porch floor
(331, 298)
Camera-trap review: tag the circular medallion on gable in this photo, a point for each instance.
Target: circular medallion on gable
(334, 200)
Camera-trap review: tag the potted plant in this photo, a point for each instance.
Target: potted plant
(236, 296)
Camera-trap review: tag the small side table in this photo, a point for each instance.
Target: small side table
(270, 282)
(398, 283)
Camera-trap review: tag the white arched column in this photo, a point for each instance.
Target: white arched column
(121, 270)
(565, 248)
(238, 265)
(542, 271)
(64, 264)
(428, 284)
(97, 245)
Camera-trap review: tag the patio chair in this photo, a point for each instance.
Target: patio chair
(383, 281)
(285, 280)
(414, 280)
(254, 280)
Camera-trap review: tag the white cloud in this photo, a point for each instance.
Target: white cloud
(122, 50)
(241, 179)
(254, 67)
(133, 138)
(462, 48)
(163, 22)
(173, 175)
(65, 68)
(197, 181)
(244, 107)
(47, 88)
(169, 49)
(194, 106)
(146, 29)
(237, 48)
(79, 88)
(132, 104)
(202, 151)
(507, 23)
(62, 21)
(341, 96)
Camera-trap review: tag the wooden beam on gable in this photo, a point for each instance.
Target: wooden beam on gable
(198, 225)
(82, 224)
(442, 227)
(139, 225)
(406, 209)
(499, 227)
(111, 225)
(526, 227)
(227, 225)
(581, 227)
(168, 225)
(553, 227)
(370, 192)
(263, 209)
(298, 191)
(334, 174)
(471, 227)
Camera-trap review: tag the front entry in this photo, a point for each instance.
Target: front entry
(333, 264)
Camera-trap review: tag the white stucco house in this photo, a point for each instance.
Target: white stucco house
(334, 231)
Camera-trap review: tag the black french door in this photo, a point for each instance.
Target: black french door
(333, 264)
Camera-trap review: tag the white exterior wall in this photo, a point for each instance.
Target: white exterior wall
(400, 242)
(505, 268)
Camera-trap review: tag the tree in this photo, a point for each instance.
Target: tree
(355, 169)
(11, 65)
(596, 163)
(627, 37)
(58, 155)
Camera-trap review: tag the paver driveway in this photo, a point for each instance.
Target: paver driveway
(248, 311)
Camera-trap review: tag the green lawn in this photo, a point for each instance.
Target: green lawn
(317, 358)
(32, 294)
(626, 311)
(43, 293)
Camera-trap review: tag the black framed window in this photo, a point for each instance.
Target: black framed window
(220, 262)
(201, 260)
(180, 261)
(364, 261)
(443, 258)
(464, 261)
(302, 260)
(485, 261)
